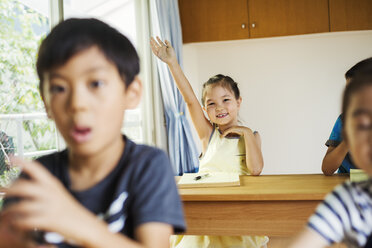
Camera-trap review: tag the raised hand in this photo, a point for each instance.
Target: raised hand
(163, 50)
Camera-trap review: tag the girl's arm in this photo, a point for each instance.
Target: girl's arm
(165, 52)
(253, 154)
(333, 158)
(254, 158)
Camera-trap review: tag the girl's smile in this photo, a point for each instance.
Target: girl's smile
(221, 115)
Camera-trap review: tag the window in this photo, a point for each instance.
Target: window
(24, 127)
(121, 15)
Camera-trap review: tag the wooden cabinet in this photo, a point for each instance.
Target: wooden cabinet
(287, 17)
(350, 15)
(213, 20)
(216, 20)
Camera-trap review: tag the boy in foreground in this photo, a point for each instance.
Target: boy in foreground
(103, 190)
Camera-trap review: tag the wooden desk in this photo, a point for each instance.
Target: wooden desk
(272, 205)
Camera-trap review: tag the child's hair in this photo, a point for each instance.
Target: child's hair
(75, 35)
(357, 84)
(364, 66)
(221, 80)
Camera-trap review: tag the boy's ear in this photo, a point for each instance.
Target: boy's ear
(133, 94)
(49, 113)
(45, 95)
(47, 109)
(46, 105)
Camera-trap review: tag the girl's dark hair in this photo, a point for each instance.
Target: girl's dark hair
(224, 81)
(75, 35)
(356, 84)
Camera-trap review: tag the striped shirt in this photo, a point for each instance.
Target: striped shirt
(346, 214)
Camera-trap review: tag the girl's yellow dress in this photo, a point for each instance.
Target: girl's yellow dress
(222, 155)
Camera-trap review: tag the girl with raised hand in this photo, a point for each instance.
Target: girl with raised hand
(226, 146)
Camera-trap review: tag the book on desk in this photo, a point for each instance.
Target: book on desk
(208, 179)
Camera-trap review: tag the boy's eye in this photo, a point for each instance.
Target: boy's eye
(225, 100)
(210, 104)
(56, 89)
(96, 84)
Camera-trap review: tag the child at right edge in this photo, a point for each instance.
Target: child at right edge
(226, 146)
(345, 215)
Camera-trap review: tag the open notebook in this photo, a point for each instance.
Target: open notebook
(208, 179)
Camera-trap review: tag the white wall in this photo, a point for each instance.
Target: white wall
(291, 89)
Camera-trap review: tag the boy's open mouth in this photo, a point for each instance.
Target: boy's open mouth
(222, 115)
(81, 134)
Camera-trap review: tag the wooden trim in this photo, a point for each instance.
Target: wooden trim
(279, 218)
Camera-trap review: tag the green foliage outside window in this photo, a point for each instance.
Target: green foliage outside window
(18, 47)
(21, 31)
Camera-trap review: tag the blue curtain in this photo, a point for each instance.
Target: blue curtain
(181, 146)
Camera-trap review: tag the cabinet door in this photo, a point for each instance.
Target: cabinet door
(287, 17)
(213, 20)
(350, 14)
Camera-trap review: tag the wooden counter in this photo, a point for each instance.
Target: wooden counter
(273, 205)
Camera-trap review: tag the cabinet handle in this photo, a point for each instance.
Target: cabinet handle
(243, 25)
(253, 25)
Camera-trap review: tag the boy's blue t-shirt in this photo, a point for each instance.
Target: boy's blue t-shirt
(140, 189)
(334, 140)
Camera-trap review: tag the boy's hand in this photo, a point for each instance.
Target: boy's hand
(45, 204)
(13, 238)
(163, 50)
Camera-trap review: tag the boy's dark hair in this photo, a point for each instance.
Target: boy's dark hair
(75, 35)
(357, 84)
(364, 66)
(224, 81)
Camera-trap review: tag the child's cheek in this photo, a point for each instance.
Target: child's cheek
(369, 147)
(361, 151)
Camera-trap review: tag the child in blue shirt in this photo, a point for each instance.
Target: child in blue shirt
(103, 190)
(335, 141)
(337, 156)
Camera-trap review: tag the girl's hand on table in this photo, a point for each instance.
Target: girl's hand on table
(236, 131)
